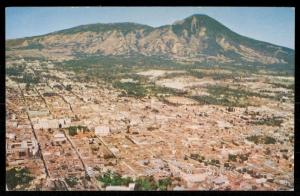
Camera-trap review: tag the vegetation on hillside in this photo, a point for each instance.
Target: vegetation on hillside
(124, 28)
(32, 46)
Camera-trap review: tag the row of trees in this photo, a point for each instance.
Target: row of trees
(141, 184)
(73, 129)
(15, 70)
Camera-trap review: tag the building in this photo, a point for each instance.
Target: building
(191, 179)
(34, 114)
(52, 123)
(130, 187)
(10, 135)
(102, 130)
(46, 124)
(23, 149)
(59, 138)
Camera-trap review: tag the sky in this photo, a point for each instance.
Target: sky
(271, 24)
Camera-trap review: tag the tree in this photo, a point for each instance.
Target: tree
(163, 184)
(17, 176)
(71, 181)
(72, 131)
(68, 87)
(146, 184)
(114, 179)
(27, 86)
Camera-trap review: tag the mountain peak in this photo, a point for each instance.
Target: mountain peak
(195, 17)
(194, 23)
(203, 18)
(200, 16)
(198, 36)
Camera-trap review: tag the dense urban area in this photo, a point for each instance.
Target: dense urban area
(148, 129)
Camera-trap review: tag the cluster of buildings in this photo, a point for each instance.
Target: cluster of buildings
(200, 147)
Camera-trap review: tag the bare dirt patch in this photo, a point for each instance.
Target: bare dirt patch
(181, 83)
(152, 74)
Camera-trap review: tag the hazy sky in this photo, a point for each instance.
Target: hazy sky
(275, 25)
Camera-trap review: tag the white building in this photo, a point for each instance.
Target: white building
(121, 188)
(34, 114)
(102, 130)
(178, 188)
(59, 138)
(65, 122)
(52, 123)
(34, 147)
(90, 172)
(25, 148)
(10, 135)
(46, 124)
(191, 179)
